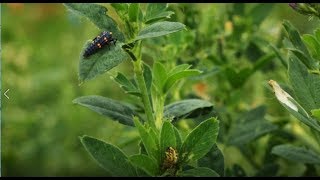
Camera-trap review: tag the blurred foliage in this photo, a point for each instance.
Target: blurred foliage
(40, 50)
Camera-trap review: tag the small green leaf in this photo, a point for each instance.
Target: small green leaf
(102, 61)
(147, 74)
(298, 154)
(113, 109)
(313, 44)
(156, 11)
(309, 95)
(316, 113)
(167, 138)
(171, 80)
(146, 163)
(296, 41)
(302, 57)
(160, 29)
(200, 140)
(237, 79)
(148, 140)
(178, 69)
(199, 172)
(278, 54)
(214, 160)
(250, 126)
(97, 15)
(108, 156)
(126, 85)
(159, 75)
(189, 108)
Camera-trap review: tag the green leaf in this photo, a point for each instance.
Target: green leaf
(299, 54)
(110, 108)
(171, 80)
(296, 41)
(167, 138)
(108, 156)
(293, 106)
(178, 138)
(199, 172)
(160, 29)
(237, 79)
(148, 140)
(159, 75)
(178, 69)
(269, 170)
(146, 163)
(134, 9)
(102, 61)
(298, 154)
(156, 11)
(313, 44)
(214, 160)
(260, 12)
(126, 85)
(250, 126)
(200, 140)
(305, 85)
(189, 108)
(316, 113)
(317, 34)
(121, 9)
(97, 15)
(147, 74)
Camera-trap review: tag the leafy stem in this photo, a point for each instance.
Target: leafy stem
(142, 85)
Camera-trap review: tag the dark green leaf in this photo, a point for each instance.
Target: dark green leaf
(148, 140)
(102, 61)
(250, 126)
(110, 157)
(156, 11)
(96, 14)
(295, 39)
(199, 172)
(260, 12)
(305, 85)
(159, 29)
(134, 9)
(237, 79)
(200, 140)
(146, 163)
(113, 109)
(302, 57)
(167, 138)
(214, 160)
(171, 80)
(188, 108)
(298, 154)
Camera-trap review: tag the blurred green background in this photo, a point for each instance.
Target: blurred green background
(41, 44)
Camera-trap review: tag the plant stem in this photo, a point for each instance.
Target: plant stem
(142, 86)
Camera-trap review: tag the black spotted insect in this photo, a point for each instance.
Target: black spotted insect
(102, 40)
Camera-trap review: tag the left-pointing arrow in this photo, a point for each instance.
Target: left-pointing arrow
(5, 93)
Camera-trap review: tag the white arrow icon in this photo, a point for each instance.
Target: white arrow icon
(5, 93)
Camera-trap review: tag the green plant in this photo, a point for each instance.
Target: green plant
(163, 151)
(302, 64)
